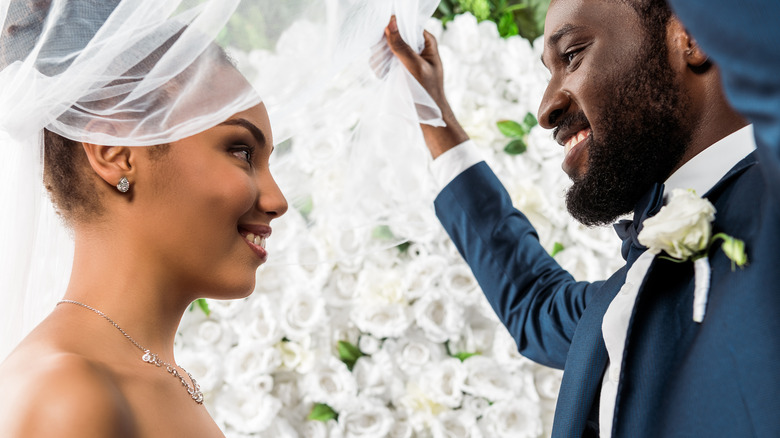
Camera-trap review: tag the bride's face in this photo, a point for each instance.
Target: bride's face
(208, 206)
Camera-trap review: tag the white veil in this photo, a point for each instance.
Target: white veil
(147, 72)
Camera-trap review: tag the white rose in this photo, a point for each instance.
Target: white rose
(423, 275)
(314, 429)
(248, 360)
(367, 418)
(247, 411)
(682, 228)
(377, 377)
(296, 355)
(444, 382)
(330, 382)
(302, 313)
(548, 382)
(439, 316)
(484, 378)
(459, 282)
(262, 321)
(369, 344)
(211, 334)
(476, 406)
(382, 321)
(414, 353)
(505, 351)
(286, 389)
(455, 424)
(512, 419)
(205, 366)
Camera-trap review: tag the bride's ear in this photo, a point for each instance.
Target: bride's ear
(111, 163)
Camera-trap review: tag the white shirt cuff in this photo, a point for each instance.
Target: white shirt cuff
(447, 166)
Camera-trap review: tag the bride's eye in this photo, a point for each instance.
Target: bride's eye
(243, 153)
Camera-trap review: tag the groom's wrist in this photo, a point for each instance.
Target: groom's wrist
(440, 139)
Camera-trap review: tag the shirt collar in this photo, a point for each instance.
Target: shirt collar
(703, 171)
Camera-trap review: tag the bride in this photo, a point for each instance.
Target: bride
(162, 176)
(155, 151)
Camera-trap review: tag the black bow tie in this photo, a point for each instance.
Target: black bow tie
(628, 230)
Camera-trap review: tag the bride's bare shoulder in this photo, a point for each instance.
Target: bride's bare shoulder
(53, 393)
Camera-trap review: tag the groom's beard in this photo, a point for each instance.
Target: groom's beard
(642, 136)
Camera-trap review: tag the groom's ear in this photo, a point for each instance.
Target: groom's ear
(684, 51)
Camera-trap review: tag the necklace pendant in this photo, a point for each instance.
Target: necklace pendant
(151, 358)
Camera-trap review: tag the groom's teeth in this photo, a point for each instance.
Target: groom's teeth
(262, 242)
(257, 240)
(250, 237)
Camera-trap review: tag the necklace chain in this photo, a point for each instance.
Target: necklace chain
(151, 358)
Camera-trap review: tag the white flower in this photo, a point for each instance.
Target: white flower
(367, 418)
(383, 311)
(369, 344)
(512, 419)
(682, 228)
(262, 321)
(455, 424)
(330, 382)
(247, 411)
(302, 313)
(248, 360)
(205, 366)
(485, 379)
(440, 317)
(296, 355)
(444, 382)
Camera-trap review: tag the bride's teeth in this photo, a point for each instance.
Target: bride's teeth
(262, 242)
(257, 240)
(250, 237)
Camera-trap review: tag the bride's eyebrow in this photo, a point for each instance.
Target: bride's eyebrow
(249, 126)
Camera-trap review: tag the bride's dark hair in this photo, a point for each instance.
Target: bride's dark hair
(67, 175)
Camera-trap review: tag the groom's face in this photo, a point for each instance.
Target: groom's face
(615, 103)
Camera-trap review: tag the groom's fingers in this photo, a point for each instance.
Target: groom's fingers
(408, 57)
(425, 67)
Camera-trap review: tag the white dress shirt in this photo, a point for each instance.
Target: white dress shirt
(700, 173)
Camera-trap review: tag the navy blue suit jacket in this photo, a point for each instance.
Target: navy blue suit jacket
(679, 378)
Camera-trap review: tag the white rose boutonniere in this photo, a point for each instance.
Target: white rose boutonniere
(683, 230)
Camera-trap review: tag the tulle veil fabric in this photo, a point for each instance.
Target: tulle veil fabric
(146, 72)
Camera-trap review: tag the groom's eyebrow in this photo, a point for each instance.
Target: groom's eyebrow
(249, 126)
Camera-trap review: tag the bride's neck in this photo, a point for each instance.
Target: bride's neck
(130, 288)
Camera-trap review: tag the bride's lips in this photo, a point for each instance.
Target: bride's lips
(255, 237)
(575, 151)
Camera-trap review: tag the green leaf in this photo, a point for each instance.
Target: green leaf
(507, 26)
(322, 412)
(463, 355)
(349, 354)
(382, 232)
(204, 306)
(403, 247)
(557, 247)
(305, 206)
(511, 128)
(529, 122)
(734, 249)
(515, 147)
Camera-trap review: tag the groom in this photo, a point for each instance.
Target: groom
(640, 111)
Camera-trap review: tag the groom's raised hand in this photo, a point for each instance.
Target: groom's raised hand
(427, 69)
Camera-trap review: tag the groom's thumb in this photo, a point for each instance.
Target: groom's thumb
(409, 58)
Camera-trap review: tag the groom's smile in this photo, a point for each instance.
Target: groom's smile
(576, 152)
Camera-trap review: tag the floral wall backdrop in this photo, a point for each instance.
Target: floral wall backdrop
(399, 341)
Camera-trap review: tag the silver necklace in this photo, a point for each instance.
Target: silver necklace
(151, 358)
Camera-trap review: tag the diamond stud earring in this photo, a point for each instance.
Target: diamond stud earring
(123, 185)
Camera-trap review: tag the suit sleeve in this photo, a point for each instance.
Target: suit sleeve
(537, 300)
